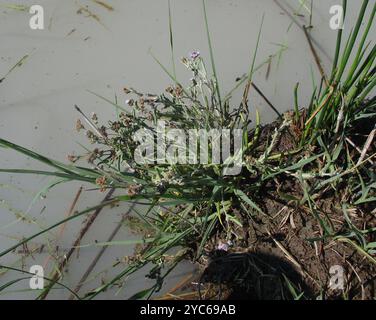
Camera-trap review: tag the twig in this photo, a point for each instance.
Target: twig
(69, 213)
(287, 254)
(367, 145)
(315, 55)
(357, 148)
(181, 284)
(75, 244)
(100, 253)
(359, 278)
(291, 258)
(314, 41)
(266, 100)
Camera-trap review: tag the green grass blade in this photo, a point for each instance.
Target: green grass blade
(171, 38)
(212, 54)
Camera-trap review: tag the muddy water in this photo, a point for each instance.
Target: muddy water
(103, 53)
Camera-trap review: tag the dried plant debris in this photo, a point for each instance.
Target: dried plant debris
(18, 64)
(71, 32)
(104, 4)
(16, 7)
(86, 12)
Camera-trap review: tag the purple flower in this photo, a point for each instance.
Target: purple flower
(222, 246)
(195, 54)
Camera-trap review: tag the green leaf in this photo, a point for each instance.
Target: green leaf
(242, 196)
(142, 294)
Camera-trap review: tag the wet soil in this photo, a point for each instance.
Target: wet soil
(284, 254)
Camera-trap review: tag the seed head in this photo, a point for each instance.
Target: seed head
(79, 125)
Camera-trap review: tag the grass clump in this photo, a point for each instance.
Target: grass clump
(303, 202)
